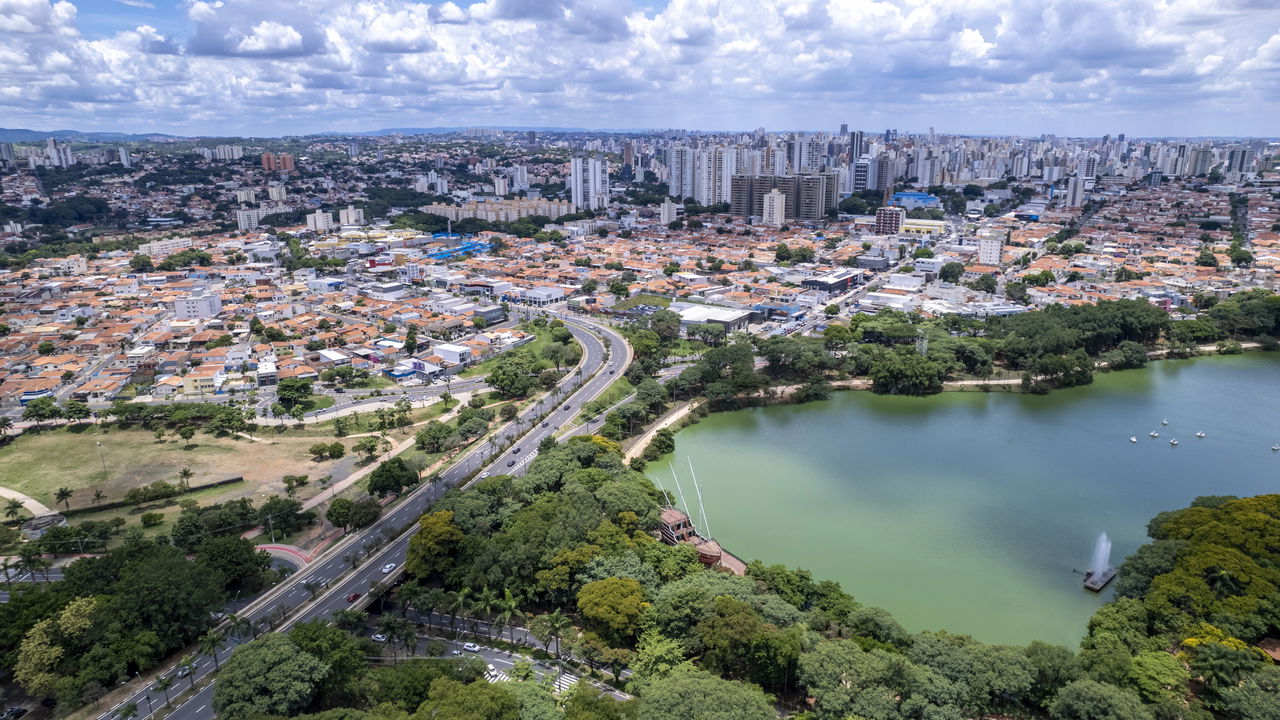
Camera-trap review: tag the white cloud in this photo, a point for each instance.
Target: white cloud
(137, 3)
(1006, 65)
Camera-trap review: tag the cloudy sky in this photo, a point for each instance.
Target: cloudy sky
(1144, 67)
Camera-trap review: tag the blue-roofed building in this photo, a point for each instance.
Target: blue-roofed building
(913, 200)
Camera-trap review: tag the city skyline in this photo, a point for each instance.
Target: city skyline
(267, 68)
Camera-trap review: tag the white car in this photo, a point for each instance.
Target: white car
(379, 638)
(484, 474)
(386, 569)
(471, 647)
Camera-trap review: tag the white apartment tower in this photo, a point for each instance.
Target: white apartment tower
(589, 182)
(989, 250)
(351, 216)
(320, 221)
(680, 171)
(1075, 191)
(668, 212)
(775, 208)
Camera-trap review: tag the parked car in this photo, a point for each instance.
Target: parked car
(353, 597)
(388, 568)
(379, 638)
(471, 647)
(13, 713)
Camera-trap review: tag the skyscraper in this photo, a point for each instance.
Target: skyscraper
(680, 169)
(588, 182)
(1075, 191)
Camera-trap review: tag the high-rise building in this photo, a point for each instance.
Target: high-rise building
(856, 148)
(6, 152)
(889, 219)
(246, 195)
(519, 178)
(351, 215)
(125, 160)
(277, 193)
(501, 185)
(320, 221)
(844, 129)
(272, 162)
(1087, 167)
(588, 182)
(775, 208)
(247, 219)
(668, 212)
(807, 197)
(680, 171)
(1075, 191)
(989, 249)
(228, 152)
(862, 174)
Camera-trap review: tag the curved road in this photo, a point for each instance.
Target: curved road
(366, 548)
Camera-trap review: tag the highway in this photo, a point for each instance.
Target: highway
(387, 540)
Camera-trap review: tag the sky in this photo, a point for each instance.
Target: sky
(269, 67)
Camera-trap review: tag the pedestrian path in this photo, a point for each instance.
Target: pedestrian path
(33, 506)
(565, 682)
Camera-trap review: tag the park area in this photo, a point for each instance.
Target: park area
(37, 464)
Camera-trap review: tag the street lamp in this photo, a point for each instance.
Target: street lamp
(104, 461)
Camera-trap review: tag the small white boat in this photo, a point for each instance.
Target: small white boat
(1155, 434)
(1275, 448)
(1164, 422)
(1173, 442)
(1200, 434)
(1133, 438)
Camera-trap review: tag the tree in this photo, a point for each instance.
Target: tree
(339, 513)
(269, 676)
(235, 558)
(1206, 258)
(431, 549)
(368, 445)
(46, 348)
(13, 509)
(612, 607)
(282, 515)
(449, 698)
(690, 693)
(141, 263)
(319, 451)
(831, 310)
(40, 409)
(337, 650)
(951, 272)
(411, 340)
(984, 283)
(1091, 700)
(434, 437)
(292, 391)
(210, 643)
(391, 476)
(63, 495)
(337, 450)
(365, 511)
(75, 410)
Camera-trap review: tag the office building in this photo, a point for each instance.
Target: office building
(680, 171)
(1075, 191)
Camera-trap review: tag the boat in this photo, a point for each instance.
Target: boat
(1155, 434)
(1200, 434)
(1173, 442)
(1275, 448)
(1164, 422)
(1133, 438)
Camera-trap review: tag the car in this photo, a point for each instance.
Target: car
(13, 713)
(516, 451)
(184, 671)
(353, 597)
(386, 569)
(379, 638)
(511, 463)
(612, 372)
(484, 474)
(471, 647)
(545, 423)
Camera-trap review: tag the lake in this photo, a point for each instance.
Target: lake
(969, 511)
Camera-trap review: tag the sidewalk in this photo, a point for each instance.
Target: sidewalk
(33, 506)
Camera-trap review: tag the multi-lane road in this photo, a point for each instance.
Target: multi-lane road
(387, 540)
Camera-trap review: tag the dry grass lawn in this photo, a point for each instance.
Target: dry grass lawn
(39, 463)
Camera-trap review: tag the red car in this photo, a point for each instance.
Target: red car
(353, 597)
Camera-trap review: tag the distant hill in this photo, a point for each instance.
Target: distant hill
(23, 135)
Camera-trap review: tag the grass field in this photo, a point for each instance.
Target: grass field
(358, 423)
(643, 299)
(39, 463)
(542, 339)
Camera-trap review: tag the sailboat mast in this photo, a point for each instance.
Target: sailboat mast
(701, 507)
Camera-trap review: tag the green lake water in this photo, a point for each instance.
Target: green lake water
(969, 511)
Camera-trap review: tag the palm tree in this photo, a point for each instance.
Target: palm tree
(6, 424)
(388, 626)
(508, 610)
(163, 684)
(63, 495)
(188, 663)
(239, 626)
(185, 476)
(97, 497)
(557, 625)
(4, 564)
(210, 644)
(459, 601)
(13, 509)
(312, 587)
(483, 606)
(128, 711)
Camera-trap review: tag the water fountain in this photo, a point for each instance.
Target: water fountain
(1100, 571)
